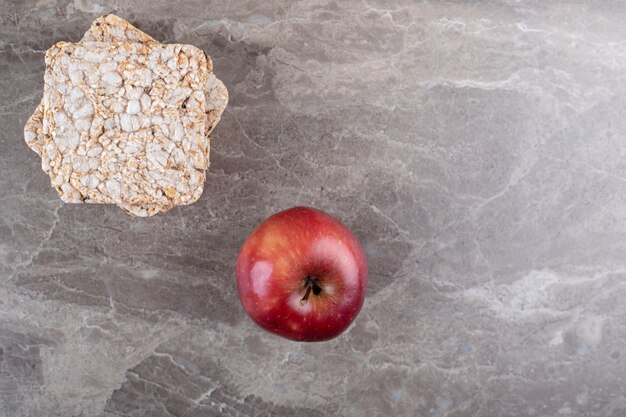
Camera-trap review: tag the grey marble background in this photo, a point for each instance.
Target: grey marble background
(477, 149)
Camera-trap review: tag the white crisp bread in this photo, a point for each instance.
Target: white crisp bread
(143, 193)
(111, 28)
(125, 124)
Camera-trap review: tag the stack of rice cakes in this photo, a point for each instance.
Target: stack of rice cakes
(126, 120)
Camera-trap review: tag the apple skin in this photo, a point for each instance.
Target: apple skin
(302, 275)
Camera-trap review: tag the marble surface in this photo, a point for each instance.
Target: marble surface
(477, 150)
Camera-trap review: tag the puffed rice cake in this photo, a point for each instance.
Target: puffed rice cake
(126, 120)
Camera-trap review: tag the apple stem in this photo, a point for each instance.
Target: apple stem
(306, 294)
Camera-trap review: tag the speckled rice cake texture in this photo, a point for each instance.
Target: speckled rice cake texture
(111, 28)
(126, 120)
(126, 123)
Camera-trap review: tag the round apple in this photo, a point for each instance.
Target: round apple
(302, 275)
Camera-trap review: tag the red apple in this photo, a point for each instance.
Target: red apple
(302, 275)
